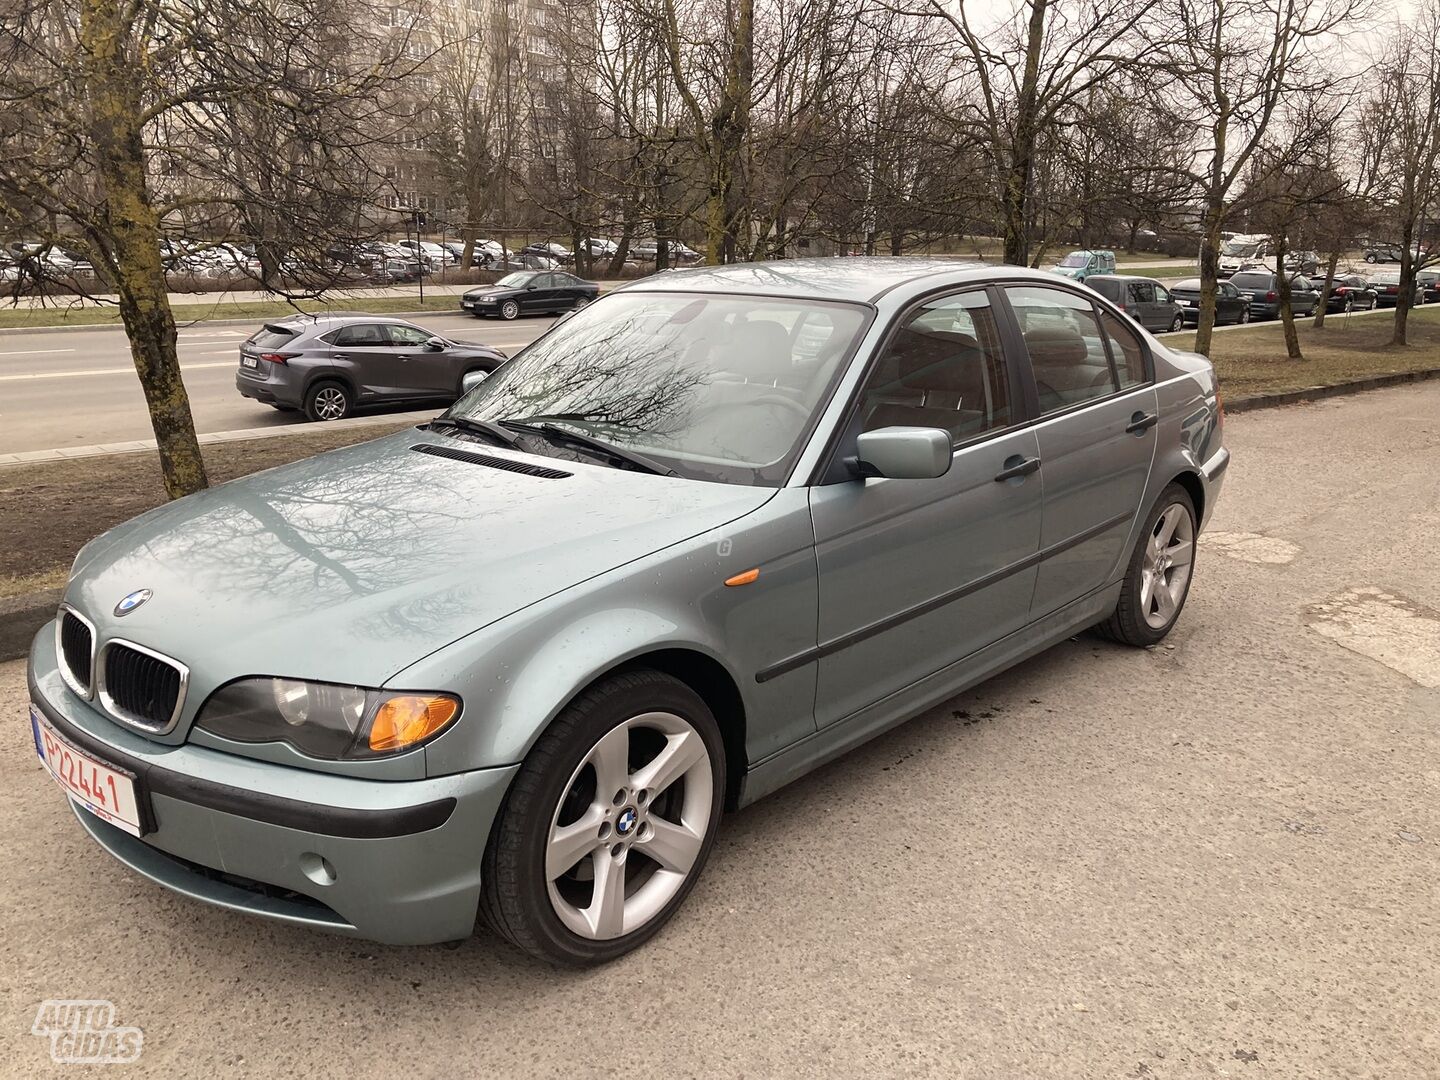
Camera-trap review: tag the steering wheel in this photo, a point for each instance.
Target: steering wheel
(779, 399)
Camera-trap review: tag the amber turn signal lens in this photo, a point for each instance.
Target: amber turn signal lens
(405, 721)
(742, 579)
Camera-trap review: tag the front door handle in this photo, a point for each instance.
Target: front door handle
(1016, 466)
(404, 356)
(1141, 422)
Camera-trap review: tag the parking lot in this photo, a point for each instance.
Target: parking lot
(1214, 858)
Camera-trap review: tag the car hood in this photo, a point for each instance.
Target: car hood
(1065, 271)
(350, 566)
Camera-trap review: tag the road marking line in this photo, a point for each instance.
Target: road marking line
(105, 371)
(33, 352)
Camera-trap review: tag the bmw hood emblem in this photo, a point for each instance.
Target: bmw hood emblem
(131, 601)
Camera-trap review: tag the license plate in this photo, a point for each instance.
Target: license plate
(249, 361)
(1192, 303)
(107, 792)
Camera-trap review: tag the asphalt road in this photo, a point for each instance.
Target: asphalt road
(1216, 858)
(78, 387)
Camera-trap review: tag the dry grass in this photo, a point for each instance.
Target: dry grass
(1254, 361)
(19, 318)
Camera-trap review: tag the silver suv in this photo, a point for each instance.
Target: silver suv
(329, 365)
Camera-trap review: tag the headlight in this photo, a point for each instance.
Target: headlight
(325, 720)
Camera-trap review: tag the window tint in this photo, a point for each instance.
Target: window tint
(1161, 295)
(408, 335)
(271, 338)
(361, 334)
(1253, 281)
(944, 368)
(544, 281)
(1228, 290)
(1125, 347)
(1067, 352)
(1142, 292)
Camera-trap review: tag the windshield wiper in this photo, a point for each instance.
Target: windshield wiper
(480, 427)
(541, 426)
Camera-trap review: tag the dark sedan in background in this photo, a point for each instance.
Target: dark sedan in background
(1230, 305)
(1349, 293)
(1262, 289)
(329, 365)
(1387, 289)
(527, 293)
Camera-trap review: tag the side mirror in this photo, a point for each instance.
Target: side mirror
(436, 344)
(903, 453)
(531, 287)
(472, 379)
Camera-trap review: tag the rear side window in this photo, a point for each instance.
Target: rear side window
(271, 338)
(1142, 292)
(361, 334)
(944, 368)
(1125, 347)
(1067, 351)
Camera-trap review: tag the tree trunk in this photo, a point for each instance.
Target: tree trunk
(1407, 285)
(1287, 312)
(133, 228)
(1022, 156)
(1325, 292)
(1209, 274)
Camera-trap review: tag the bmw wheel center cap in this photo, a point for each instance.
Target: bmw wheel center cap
(626, 821)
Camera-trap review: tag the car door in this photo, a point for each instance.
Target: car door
(539, 294)
(915, 575)
(1142, 303)
(566, 290)
(362, 351)
(426, 371)
(1164, 309)
(1096, 437)
(1228, 303)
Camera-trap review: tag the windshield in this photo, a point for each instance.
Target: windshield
(514, 281)
(1076, 258)
(1239, 248)
(716, 387)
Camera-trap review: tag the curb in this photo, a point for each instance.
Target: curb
(1319, 393)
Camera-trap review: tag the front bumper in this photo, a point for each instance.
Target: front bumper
(251, 836)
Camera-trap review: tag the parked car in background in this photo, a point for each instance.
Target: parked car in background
(679, 552)
(1231, 306)
(490, 253)
(1428, 282)
(433, 255)
(551, 250)
(1349, 292)
(1144, 299)
(1383, 252)
(530, 293)
(1386, 284)
(1079, 265)
(597, 247)
(1302, 262)
(329, 365)
(648, 250)
(394, 272)
(1241, 253)
(1262, 289)
(521, 260)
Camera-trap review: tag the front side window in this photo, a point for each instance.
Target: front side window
(1067, 350)
(716, 386)
(515, 281)
(408, 336)
(944, 368)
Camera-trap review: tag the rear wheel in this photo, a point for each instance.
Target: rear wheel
(608, 823)
(328, 401)
(1157, 579)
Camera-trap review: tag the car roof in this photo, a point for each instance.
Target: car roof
(855, 278)
(1120, 277)
(330, 319)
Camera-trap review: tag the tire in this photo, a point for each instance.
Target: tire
(1370, 259)
(1245, 314)
(1143, 619)
(1349, 304)
(560, 785)
(328, 401)
(1177, 324)
(509, 310)
(581, 301)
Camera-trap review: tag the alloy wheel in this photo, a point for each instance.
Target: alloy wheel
(509, 309)
(630, 826)
(1165, 567)
(330, 403)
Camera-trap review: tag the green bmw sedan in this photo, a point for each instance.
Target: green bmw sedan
(701, 537)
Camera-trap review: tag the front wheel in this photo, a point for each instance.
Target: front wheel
(1177, 324)
(509, 310)
(1157, 579)
(608, 823)
(1244, 315)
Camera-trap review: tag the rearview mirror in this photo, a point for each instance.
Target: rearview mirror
(903, 453)
(472, 379)
(437, 344)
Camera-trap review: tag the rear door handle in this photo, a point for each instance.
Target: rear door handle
(1141, 422)
(1016, 466)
